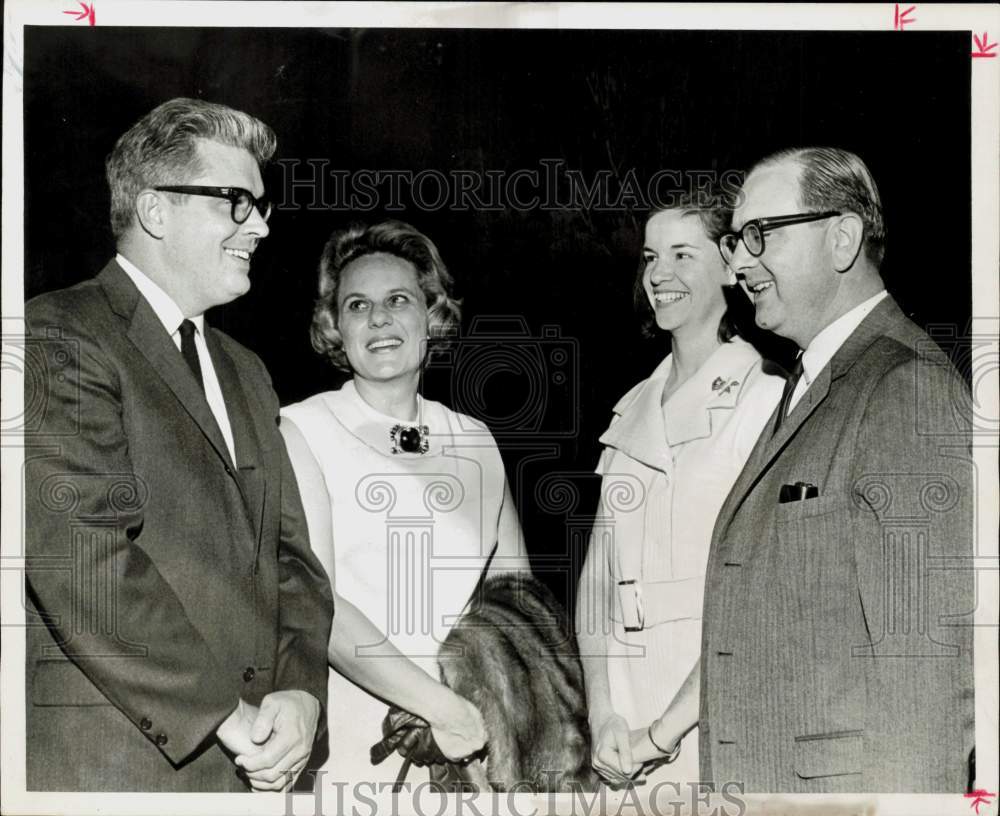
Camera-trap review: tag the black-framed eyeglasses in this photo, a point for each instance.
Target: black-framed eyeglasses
(752, 232)
(242, 201)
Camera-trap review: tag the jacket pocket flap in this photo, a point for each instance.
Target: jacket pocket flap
(61, 683)
(785, 512)
(834, 754)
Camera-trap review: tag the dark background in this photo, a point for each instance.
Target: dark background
(495, 100)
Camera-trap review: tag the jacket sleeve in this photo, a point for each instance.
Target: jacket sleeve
(305, 597)
(105, 603)
(913, 540)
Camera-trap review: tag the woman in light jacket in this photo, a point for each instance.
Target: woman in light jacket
(676, 443)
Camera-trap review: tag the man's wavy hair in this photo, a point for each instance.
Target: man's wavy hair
(715, 210)
(835, 179)
(162, 149)
(392, 238)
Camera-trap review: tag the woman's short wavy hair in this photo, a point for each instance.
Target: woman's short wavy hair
(392, 238)
(715, 211)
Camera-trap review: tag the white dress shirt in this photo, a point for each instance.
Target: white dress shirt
(828, 342)
(171, 317)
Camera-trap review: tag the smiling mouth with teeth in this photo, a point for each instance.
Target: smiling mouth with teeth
(387, 343)
(763, 286)
(242, 254)
(669, 297)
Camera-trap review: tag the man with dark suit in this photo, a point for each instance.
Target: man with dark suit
(837, 645)
(177, 619)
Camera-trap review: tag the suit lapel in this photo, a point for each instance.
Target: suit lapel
(151, 339)
(879, 322)
(769, 446)
(814, 395)
(250, 474)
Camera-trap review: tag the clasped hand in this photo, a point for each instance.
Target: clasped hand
(272, 743)
(620, 754)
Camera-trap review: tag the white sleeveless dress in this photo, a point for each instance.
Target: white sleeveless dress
(412, 533)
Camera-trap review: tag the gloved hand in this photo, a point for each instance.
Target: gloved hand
(408, 735)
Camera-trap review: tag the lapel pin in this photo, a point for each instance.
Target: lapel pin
(723, 387)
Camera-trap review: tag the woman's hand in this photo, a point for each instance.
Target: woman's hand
(612, 751)
(643, 749)
(459, 731)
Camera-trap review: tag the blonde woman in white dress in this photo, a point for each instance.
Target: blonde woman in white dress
(407, 501)
(675, 446)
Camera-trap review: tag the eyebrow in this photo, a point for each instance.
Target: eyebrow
(391, 292)
(672, 246)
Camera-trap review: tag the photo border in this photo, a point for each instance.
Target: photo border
(985, 187)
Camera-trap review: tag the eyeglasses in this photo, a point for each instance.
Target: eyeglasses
(752, 232)
(242, 201)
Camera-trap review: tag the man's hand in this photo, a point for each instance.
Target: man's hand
(234, 733)
(612, 751)
(282, 738)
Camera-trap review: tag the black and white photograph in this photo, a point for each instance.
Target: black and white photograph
(526, 408)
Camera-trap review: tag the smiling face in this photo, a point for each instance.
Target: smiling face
(207, 254)
(793, 285)
(382, 318)
(683, 274)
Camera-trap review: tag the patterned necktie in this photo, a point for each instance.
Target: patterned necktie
(187, 330)
(786, 395)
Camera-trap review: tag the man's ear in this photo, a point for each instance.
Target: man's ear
(847, 236)
(150, 213)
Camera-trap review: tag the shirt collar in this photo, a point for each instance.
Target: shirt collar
(828, 342)
(643, 425)
(163, 306)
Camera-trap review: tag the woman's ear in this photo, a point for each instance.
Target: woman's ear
(433, 321)
(847, 237)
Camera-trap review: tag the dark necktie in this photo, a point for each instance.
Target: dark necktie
(786, 395)
(187, 330)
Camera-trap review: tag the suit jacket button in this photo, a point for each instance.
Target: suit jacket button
(145, 723)
(249, 674)
(161, 739)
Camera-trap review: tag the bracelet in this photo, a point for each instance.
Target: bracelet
(669, 756)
